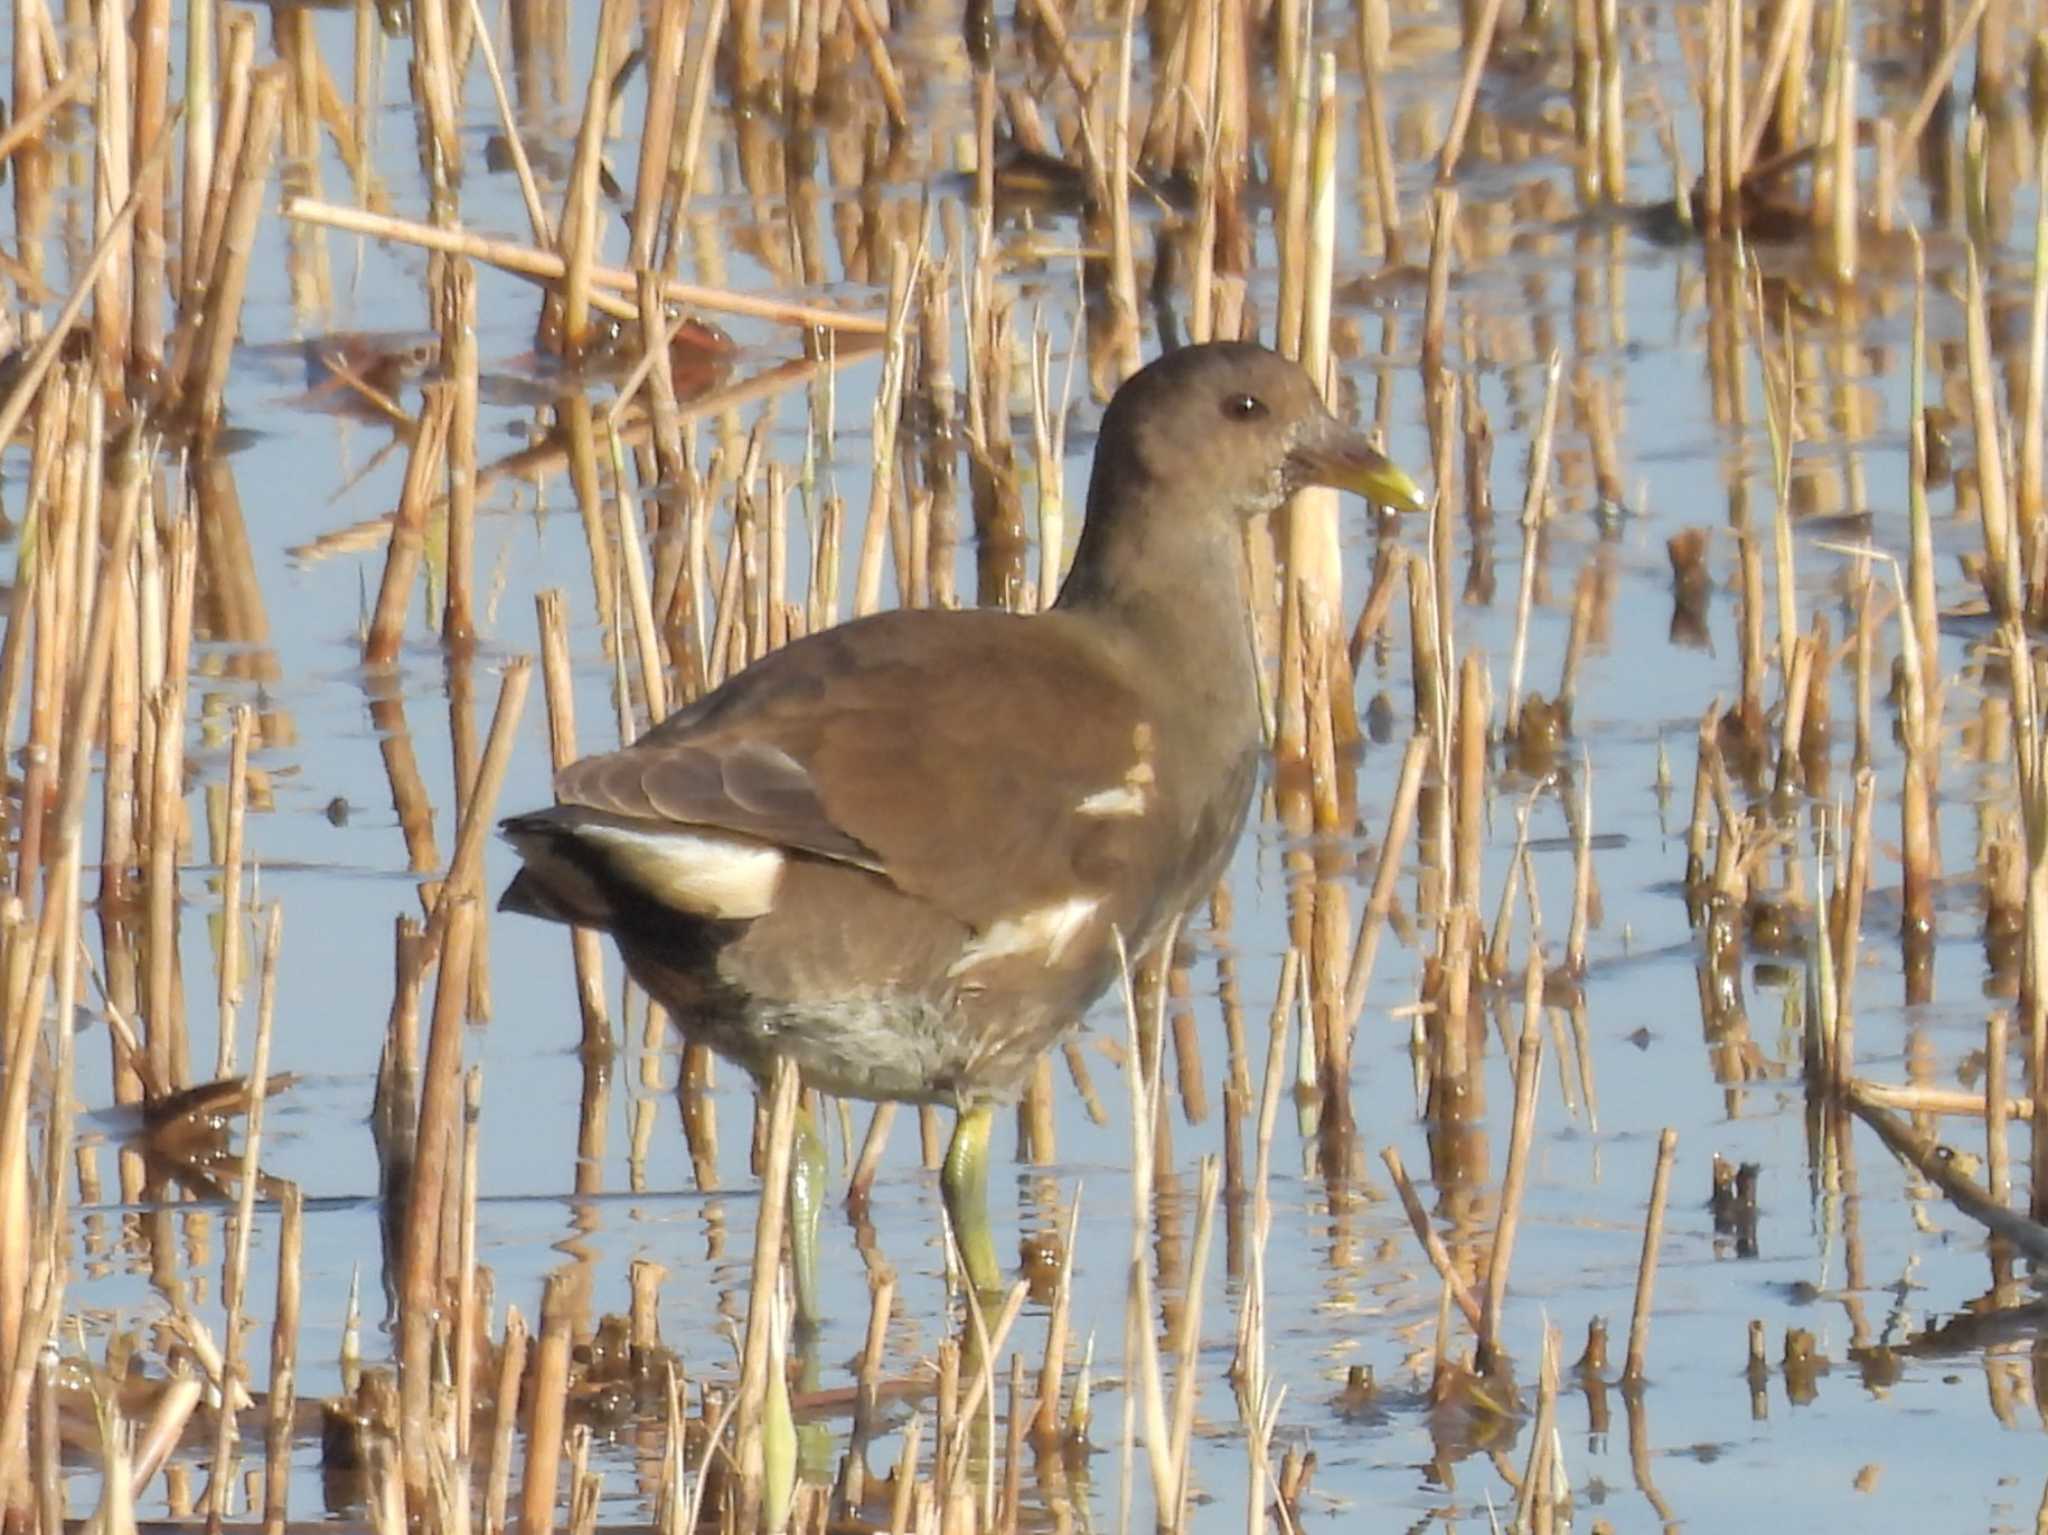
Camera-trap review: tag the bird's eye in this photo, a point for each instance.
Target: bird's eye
(1243, 407)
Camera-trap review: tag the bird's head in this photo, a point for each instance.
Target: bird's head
(1235, 426)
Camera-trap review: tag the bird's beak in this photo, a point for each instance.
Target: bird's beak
(1330, 453)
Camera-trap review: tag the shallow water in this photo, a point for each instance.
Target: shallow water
(1850, 1245)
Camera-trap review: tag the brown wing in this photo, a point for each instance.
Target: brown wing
(898, 742)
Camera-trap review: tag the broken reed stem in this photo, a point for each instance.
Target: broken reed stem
(434, 1146)
(1250, 1364)
(1535, 497)
(165, 710)
(765, 1283)
(668, 32)
(1522, 1132)
(701, 83)
(408, 529)
(435, 92)
(282, 1395)
(467, 1324)
(230, 991)
(1936, 86)
(1916, 1098)
(639, 595)
(1947, 1173)
(150, 42)
(2001, 559)
(233, 1372)
(42, 1303)
(1432, 1244)
(1051, 1376)
(505, 1423)
(1789, 24)
(1582, 873)
(1187, 1341)
(1535, 1504)
(479, 813)
(1646, 1270)
(1468, 765)
(578, 234)
(111, 242)
(2034, 391)
(24, 1003)
(1997, 1160)
(550, 1406)
(1920, 647)
(23, 130)
(508, 121)
(559, 691)
(888, 411)
(238, 75)
(1123, 266)
(1856, 885)
(204, 382)
(1478, 50)
(113, 111)
(459, 364)
(545, 266)
(956, 1451)
(1845, 217)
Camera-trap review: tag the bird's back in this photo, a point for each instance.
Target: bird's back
(900, 850)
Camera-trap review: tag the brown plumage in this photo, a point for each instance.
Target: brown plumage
(900, 851)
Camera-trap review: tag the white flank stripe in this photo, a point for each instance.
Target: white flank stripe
(1045, 932)
(1124, 799)
(696, 872)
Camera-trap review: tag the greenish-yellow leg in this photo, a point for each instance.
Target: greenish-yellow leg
(964, 1181)
(806, 1199)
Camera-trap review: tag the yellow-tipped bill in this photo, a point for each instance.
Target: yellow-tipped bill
(1327, 452)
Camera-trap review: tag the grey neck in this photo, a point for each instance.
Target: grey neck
(1177, 595)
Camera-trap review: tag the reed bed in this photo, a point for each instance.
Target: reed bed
(1090, 182)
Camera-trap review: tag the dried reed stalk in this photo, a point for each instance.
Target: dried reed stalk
(669, 32)
(505, 1422)
(1521, 1134)
(525, 261)
(1844, 217)
(408, 529)
(113, 111)
(437, 93)
(465, 866)
(281, 1398)
(867, 590)
(104, 254)
(230, 990)
(25, 128)
(578, 234)
(27, 977)
(2002, 577)
(434, 1146)
(1942, 74)
(459, 364)
(551, 607)
(550, 1406)
(1582, 874)
(233, 1372)
(1432, 1244)
(1646, 1271)
(1535, 499)
(150, 39)
(748, 1450)
(688, 157)
(203, 379)
(1478, 49)
(1948, 1174)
